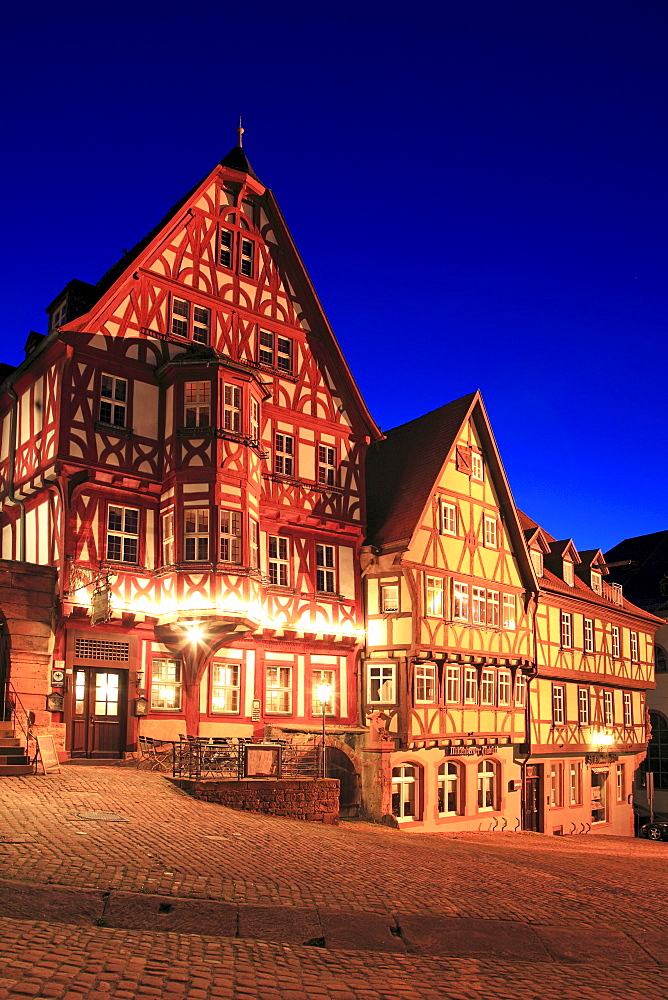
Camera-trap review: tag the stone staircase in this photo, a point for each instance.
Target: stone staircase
(13, 758)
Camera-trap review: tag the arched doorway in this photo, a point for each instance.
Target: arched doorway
(340, 766)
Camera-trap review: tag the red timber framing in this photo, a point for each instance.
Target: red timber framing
(190, 433)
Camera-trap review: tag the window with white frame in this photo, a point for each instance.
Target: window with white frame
(166, 685)
(448, 789)
(486, 785)
(448, 518)
(470, 686)
(325, 569)
(425, 683)
(491, 533)
(583, 706)
(113, 401)
(278, 690)
(168, 538)
(201, 324)
(556, 785)
(275, 351)
(460, 601)
(503, 687)
(326, 465)
(434, 586)
(232, 408)
(225, 688)
(620, 782)
(608, 708)
(381, 684)
(614, 636)
(122, 534)
(226, 248)
(568, 573)
(478, 602)
(575, 783)
(509, 619)
(284, 454)
(197, 404)
(477, 468)
(318, 677)
(279, 561)
(634, 645)
(537, 561)
(566, 630)
(230, 536)
(246, 257)
(588, 635)
(558, 705)
(180, 317)
(493, 608)
(453, 685)
(195, 534)
(389, 597)
(190, 321)
(405, 792)
(254, 539)
(628, 708)
(520, 689)
(596, 583)
(487, 687)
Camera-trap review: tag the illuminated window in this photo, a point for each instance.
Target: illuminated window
(381, 684)
(452, 685)
(487, 792)
(225, 679)
(122, 534)
(487, 687)
(326, 465)
(448, 789)
(195, 534)
(232, 408)
(284, 450)
(460, 601)
(168, 538)
(230, 536)
(278, 690)
(608, 708)
(509, 611)
(478, 602)
(566, 630)
(448, 519)
(197, 404)
(558, 705)
(434, 586)
(389, 597)
(583, 706)
(491, 533)
(614, 635)
(425, 683)
(166, 685)
(493, 608)
(628, 708)
(279, 561)
(470, 686)
(323, 677)
(405, 792)
(504, 687)
(113, 401)
(588, 635)
(477, 468)
(325, 569)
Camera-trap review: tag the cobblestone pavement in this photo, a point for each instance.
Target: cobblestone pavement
(114, 883)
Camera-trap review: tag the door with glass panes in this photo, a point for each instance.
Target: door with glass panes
(98, 712)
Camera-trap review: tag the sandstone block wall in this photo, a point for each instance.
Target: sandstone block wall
(313, 800)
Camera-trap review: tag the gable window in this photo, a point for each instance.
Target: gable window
(319, 677)
(470, 686)
(588, 635)
(434, 586)
(275, 351)
(493, 608)
(460, 601)
(246, 257)
(325, 569)
(628, 708)
(566, 630)
(197, 404)
(568, 573)
(487, 687)
(520, 690)
(583, 706)
(491, 533)
(168, 538)
(381, 684)
(278, 690)
(279, 564)
(477, 468)
(254, 538)
(614, 635)
(478, 603)
(166, 685)
(284, 450)
(230, 536)
(183, 313)
(608, 708)
(201, 324)
(389, 597)
(232, 408)
(448, 519)
(509, 611)
(425, 683)
(113, 401)
(558, 705)
(448, 789)
(195, 534)
(180, 317)
(225, 251)
(504, 687)
(634, 645)
(537, 561)
(326, 465)
(486, 785)
(225, 688)
(596, 585)
(452, 685)
(122, 534)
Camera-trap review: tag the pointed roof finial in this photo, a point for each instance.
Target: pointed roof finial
(240, 130)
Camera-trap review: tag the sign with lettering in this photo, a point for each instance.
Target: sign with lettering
(100, 605)
(256, 715)
(485, 751)
(48, 754)
(600, 758)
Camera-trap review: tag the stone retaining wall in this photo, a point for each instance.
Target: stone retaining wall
(313, 800)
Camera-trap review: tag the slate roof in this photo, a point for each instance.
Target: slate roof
(402, 469)
(649, 565)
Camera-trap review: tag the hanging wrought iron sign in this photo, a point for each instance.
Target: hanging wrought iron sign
(100, 605)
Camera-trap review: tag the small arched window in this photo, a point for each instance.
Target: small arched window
(406, 792)
(449, 789)
(487, 785)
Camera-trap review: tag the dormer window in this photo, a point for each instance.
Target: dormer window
(477, 468)
(596, 583)
(537, 561)
(568, 573)
(59, 315)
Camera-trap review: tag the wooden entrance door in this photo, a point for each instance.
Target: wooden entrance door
(532, 798)
(98, 712)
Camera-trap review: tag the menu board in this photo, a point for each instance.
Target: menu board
(47, 753)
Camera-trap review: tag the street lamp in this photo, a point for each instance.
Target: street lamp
(323, 694)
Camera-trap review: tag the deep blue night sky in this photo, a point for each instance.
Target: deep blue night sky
(478, 190)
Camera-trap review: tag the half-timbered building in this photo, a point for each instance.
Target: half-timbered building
(186, 446)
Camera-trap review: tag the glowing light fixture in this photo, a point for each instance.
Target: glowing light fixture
(195, 633)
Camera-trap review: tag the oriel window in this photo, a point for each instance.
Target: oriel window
(232, 408)
(196, 534)
(122, 534)
(197, 404)
(230, 536)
